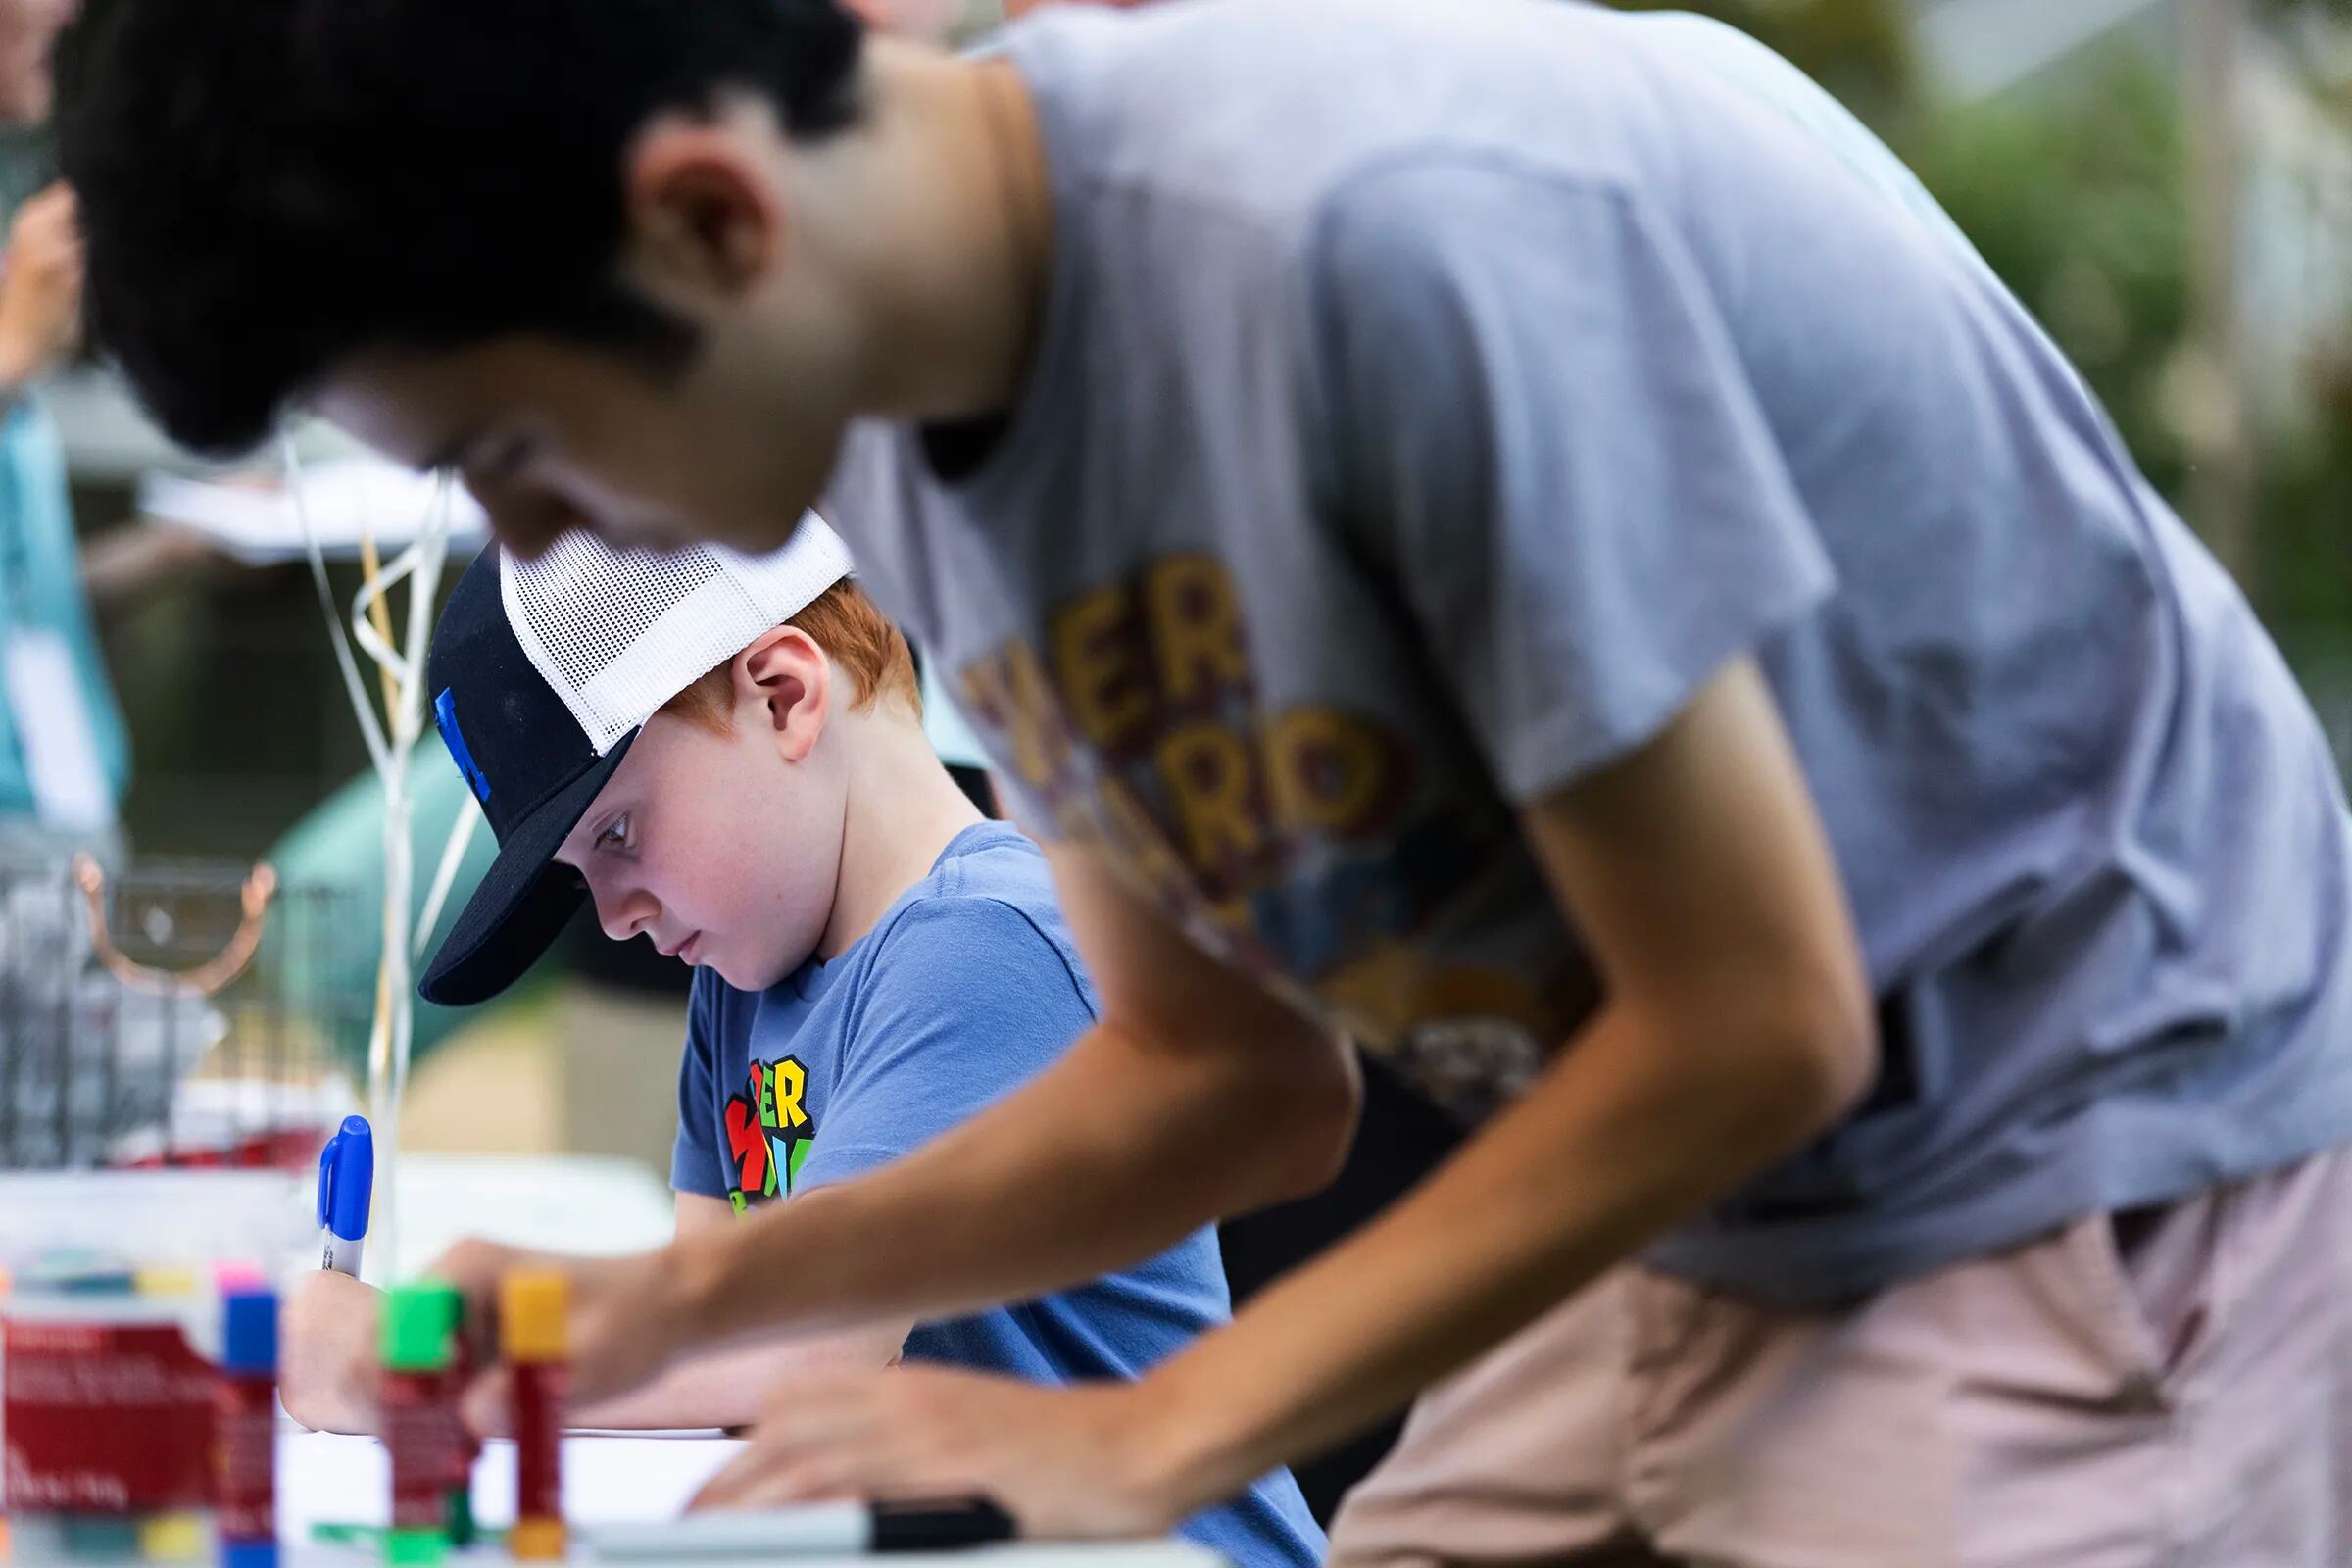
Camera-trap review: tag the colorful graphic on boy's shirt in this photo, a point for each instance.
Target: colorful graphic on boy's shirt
(1290, 839)
(769, 1132)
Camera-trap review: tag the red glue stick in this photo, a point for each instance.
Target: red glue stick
(245, 1432)
(460, 1447)
(531, 1311)
(414, 1398)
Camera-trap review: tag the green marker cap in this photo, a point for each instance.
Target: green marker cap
(458, 1521)
(418, 1328)
(415, 1548)
(450, 1303)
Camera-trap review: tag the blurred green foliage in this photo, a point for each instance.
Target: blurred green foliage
(2076, 195)
(1861, 50)
(2076, 191)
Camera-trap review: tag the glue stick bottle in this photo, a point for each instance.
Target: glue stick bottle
(531, 1311)
(417, 1422)
(245, 1432)
(460, 1447)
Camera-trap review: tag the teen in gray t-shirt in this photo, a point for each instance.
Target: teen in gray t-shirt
(1377, 447)
(1377, 473)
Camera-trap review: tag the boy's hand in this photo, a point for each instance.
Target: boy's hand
(330, 1353)
(625, 1324)
(1067, 1463)
(40, 288)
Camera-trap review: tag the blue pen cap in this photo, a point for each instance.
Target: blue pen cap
(249, 1332)
(347, 1179)
(249, 1555)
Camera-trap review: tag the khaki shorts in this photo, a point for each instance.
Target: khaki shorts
(2171, 1387)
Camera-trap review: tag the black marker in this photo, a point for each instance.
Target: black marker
(817, 1529)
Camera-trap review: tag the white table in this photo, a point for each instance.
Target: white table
(322, 1478)
(581, 1205)
(553, 1202)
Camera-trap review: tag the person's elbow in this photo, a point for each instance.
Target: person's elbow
(1315, 1112)
(1275, 1119)
(1809, 1050)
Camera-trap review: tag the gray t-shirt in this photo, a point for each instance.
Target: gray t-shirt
(1429, 398)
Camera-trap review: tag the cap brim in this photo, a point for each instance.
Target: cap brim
(519, 908)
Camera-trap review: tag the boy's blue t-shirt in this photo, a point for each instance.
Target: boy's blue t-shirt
(965, 988)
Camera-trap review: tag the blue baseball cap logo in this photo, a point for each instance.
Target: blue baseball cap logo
(445, 718)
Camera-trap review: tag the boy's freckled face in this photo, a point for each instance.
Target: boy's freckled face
(714, 850)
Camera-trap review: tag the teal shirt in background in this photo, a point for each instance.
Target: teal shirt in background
(41, 587)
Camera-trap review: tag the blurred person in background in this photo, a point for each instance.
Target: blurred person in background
(63, 752)
(65, 757)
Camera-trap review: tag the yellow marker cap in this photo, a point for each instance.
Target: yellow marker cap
(536, 1540)
(175, 1537)
(532, 1307)
(165, 1280)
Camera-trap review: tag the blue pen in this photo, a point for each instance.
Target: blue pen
(346, 1185)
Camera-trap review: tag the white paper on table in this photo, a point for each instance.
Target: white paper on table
(344, 497)
(609, 1480)
(51, 713)
(327, 1479)
(580, 1204)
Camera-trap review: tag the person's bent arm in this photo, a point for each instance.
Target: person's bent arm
(331, 1362)
(40, 290)
(1189, 1100)
(731, 1388)
(1194, 1097)
(1735, 1025)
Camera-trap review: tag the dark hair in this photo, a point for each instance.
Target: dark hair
(267, 186)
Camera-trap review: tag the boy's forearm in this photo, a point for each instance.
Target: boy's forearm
(732, 1388)
(1118, 1151)
(1633, 1130)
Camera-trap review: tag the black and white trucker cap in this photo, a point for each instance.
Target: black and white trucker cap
(542, 673)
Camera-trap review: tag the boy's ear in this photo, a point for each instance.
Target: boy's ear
(784, 686)
(704, 220)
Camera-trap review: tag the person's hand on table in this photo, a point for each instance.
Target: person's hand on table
(123, 567)
(625, 1322)
(40, 288)
(1085, 1463)
(329, 1356)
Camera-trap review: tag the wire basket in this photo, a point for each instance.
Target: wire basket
(176, 1015)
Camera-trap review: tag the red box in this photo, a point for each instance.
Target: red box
(105, 1418)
